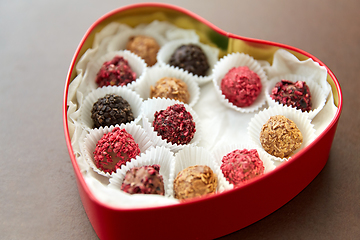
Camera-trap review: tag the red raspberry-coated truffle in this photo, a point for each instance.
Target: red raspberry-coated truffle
(295, 95)
(241, 86)
(116, 72)
(115, 149)
(239, 166)
(145, 180)
(174, 124)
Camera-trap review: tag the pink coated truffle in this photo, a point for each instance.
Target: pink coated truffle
(115, 149)
(241, 86)
(116, 72)
(239, 166)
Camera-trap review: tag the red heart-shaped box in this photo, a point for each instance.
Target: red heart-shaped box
(219, 214)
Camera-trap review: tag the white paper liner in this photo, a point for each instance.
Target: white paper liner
(193, 155)
(221, 151)
(88, 144)
(150, 106)
(156, 73)
(211, 53)
(318, 98)
(137, 65)
(158, 155)
(302, 121)
(236, 60)
(130, 96)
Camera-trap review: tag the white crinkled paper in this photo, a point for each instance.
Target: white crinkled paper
(220, 124)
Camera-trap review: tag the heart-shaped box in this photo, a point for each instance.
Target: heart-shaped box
(219, 214)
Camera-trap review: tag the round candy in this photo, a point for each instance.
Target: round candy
(174, 124)
(195, 181)
(115, 149)
(169, 87)
(111, 110)
(145, 180)
(280, 136)
(296, 94)
(145, 47)
(116, 72)
(190, 57)
(239, 166)
(241, 86)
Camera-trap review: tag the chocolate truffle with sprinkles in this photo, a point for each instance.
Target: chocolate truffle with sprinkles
(143, 180)
(115, 149)
(174, 124)
(190, 57)
(240, 166)
(145, 47)
(291, 94)
(116, 72)
(111, 110)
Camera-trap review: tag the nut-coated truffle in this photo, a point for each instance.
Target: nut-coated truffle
(291, 94)
(191, 58)
(144, 180)
(116, 72)
(239, 166)
(195, 181)
(111, 110)
(170, 87)
(115, 149)
(241, 86)
(280, 136)
(145, 47)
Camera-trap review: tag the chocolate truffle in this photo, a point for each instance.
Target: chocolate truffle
(195, 181)
(295, 95)
(241, 86)
(280, 136)
(145, 47)
(115, 149)
(239, 166)
(174, 124)
(190, 57)
(169, 87)
(116, 72)
(111, 110)
(145, 180)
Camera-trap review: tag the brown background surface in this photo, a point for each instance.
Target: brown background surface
(38, 193)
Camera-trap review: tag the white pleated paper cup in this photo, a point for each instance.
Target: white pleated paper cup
(156, 73)
(120, 40)
(134, 100)
(221, 151)
(136, 64)
(156, 155)
(88, 145)
(318, 96)
(193, 155)
(302, 122)
(211, 53)
(150, 106)
(230, 61)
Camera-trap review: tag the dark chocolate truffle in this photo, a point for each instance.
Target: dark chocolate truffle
(291, 94)
(190, 57)
(280, 136)
(195, 181)
(111, 110)
(174, 124)
(115, 149)
(241, 86)
(145, 47)
(169, 87)
(145, 180)
(239, 166)
(116, 72)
